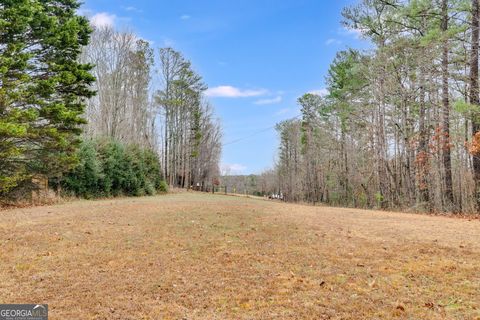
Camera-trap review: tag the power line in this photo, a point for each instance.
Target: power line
(254, 133)
(249, 136)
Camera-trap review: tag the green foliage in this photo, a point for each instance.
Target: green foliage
(163, 186)
(346, 78)
(379, 198)
(85, 179)
(42, 88)
(463, 107)
(108, 168)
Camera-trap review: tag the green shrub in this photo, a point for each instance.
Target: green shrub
(150, 188)
(163, 186)
(379, 199)
(109, 168)
(84, 180)
(112, 157)
(152, 169)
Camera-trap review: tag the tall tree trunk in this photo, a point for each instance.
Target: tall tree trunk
(422, 155)
(344, 156)
(446, 155)
(474, 94)
(165, 151)
(381, 138)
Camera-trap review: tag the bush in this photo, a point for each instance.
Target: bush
(84, 180)
(150, 189)
(163, 186)
(109, 168)
(112, 158)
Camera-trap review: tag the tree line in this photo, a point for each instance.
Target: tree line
(399, 127)
(155, 100)
(190, 136)
(79, 102)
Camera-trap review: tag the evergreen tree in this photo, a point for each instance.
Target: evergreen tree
(43, 88)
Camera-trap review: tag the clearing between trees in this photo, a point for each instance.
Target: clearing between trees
(203, 256)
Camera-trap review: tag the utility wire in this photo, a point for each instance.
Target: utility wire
(255, 133)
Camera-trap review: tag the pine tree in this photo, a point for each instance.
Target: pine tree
(42, 88)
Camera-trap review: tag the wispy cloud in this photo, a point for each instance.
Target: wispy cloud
(333, 41)
(232, 92)
(185, 17)
(320, 92)
(233, 168)
(356, 33)
(269, 101)
(103, 19)
(132, 9)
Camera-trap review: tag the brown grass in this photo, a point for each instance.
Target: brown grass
(200, 256)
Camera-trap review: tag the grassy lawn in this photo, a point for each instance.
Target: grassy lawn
(200, 256)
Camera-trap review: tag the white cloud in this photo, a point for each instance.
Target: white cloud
(103, 19)
(132, 9)
(320, 92)
(185, 17)
(356, 33)
(232, 168)
(269, 101)
(329, 42)
(232, 92)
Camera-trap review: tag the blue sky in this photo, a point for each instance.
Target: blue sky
(256, 56)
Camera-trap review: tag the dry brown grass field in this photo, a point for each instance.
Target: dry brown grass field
(202, 256)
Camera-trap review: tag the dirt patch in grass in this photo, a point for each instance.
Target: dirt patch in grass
(202, 256)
